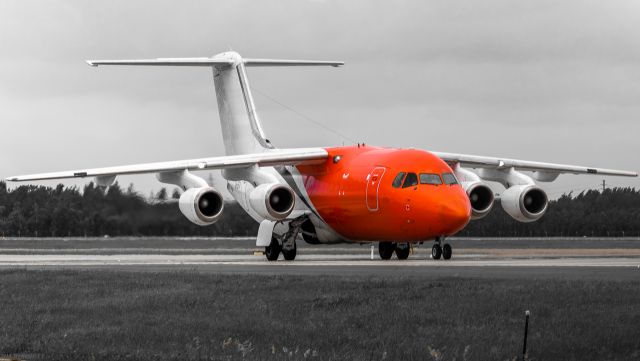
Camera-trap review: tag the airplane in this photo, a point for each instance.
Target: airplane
(358, 193)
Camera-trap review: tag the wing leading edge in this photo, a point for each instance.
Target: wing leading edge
(475, 161)
(268, 158)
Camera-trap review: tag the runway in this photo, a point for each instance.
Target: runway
(312, 260)
(240, 256)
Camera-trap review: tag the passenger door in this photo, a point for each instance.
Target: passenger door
(373, 187)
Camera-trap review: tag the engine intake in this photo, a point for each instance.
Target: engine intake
(202, 206)
(481, 199)
(525, 203)
(272, 201)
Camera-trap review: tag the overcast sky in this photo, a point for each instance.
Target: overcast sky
(538, 80)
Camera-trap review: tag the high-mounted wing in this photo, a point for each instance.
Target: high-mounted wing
(474, 161)
(268, 158)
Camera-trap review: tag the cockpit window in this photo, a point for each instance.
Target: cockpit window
(429, 178)
(449, 178)
(397, 181)
(410, 181)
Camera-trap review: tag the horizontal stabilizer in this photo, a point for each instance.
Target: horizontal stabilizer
(215, 61)
(282, 62)
(165, 62)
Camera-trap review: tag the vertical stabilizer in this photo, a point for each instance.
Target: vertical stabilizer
(241, 129)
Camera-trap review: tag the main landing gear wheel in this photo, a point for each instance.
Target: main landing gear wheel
(290, 254)
(272, 251)
(403, 250)
(436, 251)
(446, 251)
(386, 249)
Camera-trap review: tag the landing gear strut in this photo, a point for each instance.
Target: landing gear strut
(285, 243)
(439, 250)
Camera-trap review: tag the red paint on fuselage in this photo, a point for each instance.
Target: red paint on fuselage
(356, 198)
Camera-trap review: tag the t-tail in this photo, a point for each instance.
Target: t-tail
(242, 132)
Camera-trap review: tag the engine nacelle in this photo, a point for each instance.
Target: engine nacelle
(525, 203)
(202, 206)
(481, 198)
(272, 201)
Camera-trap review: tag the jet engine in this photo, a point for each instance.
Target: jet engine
(272, 201)
(481, 198)
(202, 206)
(524, 203)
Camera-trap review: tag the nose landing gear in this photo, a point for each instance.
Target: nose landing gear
(447, 251)
(436, 251)
(443, 251)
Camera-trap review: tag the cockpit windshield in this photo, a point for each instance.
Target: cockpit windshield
(449, 178)
(430, 178)
(397, 181)
(410, 181)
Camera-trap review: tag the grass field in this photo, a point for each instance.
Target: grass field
(118, 315)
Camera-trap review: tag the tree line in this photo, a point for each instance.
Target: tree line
(95, 212)
(614, 212)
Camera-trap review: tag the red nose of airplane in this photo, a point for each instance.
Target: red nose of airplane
(456, 213)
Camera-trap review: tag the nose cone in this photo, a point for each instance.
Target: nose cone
(456, 213)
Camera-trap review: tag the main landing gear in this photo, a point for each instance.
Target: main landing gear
(386, 250)
(439, 250)
(285, 244)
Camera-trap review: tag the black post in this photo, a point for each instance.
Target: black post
(526, 329)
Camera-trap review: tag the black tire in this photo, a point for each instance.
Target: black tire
(446, 251)
(436, 251)
(403, 250)
(386, 249)
(272, 251)
(290, 255)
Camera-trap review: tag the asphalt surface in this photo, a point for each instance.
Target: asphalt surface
(619, 260)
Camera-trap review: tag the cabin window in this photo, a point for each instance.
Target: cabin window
(397, 181)
(410, 181)
(430, 178)
(449, 178)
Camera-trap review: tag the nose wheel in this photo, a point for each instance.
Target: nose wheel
(445, 251)
(436, 251)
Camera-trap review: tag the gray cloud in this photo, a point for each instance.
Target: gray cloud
(538, 80)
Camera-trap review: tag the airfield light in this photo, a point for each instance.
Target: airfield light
(526, 329)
